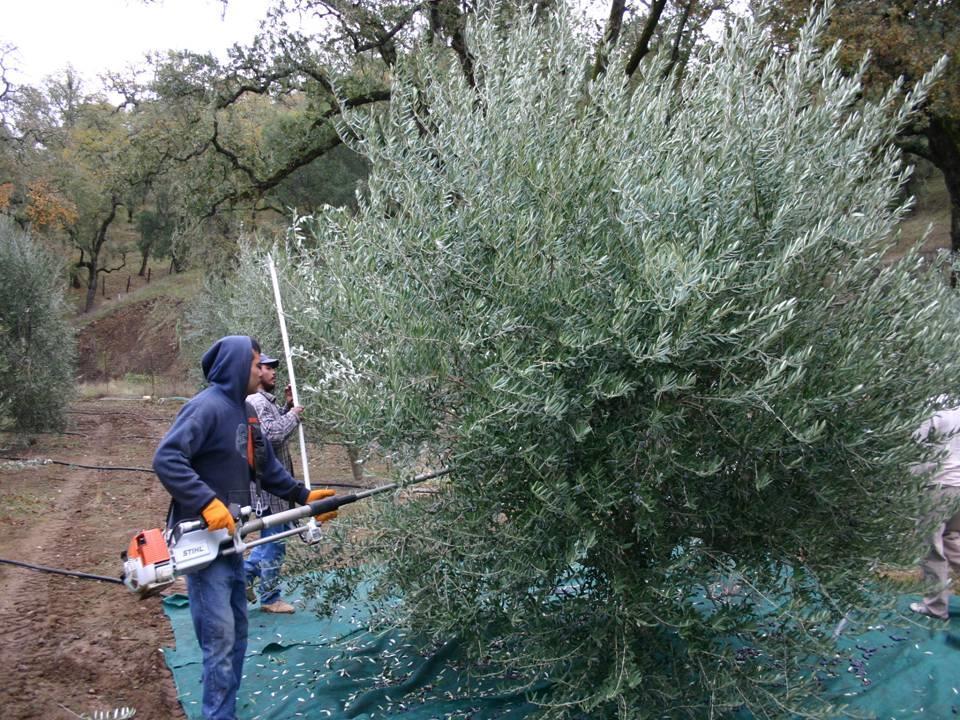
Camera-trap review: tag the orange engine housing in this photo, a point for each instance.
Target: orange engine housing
(149, 547)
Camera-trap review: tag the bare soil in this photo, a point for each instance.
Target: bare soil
(74, 646)
(138, 338)
(71, 647)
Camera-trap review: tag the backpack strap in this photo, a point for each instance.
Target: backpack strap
(256, 447)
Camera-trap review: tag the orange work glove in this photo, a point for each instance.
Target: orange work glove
(217, 517)
(320, 495)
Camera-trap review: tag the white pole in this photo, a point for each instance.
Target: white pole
(289, 358)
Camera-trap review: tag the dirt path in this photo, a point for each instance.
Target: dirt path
(69, 646)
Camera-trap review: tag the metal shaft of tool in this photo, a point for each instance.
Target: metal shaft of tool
(232, 549)
(319, 507)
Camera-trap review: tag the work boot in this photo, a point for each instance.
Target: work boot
(922, 609)
(278, 606)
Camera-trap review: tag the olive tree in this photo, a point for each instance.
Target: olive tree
(237, 302)
(651, 328)
(38, 350)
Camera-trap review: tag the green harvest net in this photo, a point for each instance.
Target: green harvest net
(302, 666)
(903, 666)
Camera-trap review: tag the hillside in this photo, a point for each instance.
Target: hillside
(130, 344)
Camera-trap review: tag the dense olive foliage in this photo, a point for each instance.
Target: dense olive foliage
(38, 350)
(237, 302)
(651, 328)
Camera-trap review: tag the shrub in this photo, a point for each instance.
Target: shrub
(38, 351)
(238, 303)
(652, 330)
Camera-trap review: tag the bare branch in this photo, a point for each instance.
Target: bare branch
(6, 86)
(643, 43)
(121, 266)
(610, 36)
(678, 37)
(230, 155)
(365, 29)
(388, 35)
(258, 87)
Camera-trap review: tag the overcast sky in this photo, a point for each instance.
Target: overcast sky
(95, 36)
(99, 35)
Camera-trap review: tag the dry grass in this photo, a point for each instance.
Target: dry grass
(178, 286)
(136, 387)
(902, 577)
(929, 222)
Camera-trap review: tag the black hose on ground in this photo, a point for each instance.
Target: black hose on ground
(44, 461)
(58, 571)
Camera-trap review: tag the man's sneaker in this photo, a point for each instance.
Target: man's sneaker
(278, 606)
(922, 609)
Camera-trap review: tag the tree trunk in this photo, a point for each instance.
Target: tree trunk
(93, 265)
(944, 136)
(91, 284)
(356, 467)
(143, 265)
(678, 39)
(611, 35)
(643, 44)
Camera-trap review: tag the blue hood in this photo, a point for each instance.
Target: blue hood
(227, 365)
(204, 454)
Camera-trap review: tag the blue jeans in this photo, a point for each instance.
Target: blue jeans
(264, 562)
(218, 606)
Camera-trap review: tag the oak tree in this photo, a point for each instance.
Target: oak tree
(905, 38)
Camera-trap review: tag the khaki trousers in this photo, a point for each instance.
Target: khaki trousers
(944, 553)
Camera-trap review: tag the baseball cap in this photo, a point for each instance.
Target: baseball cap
(267, 360)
